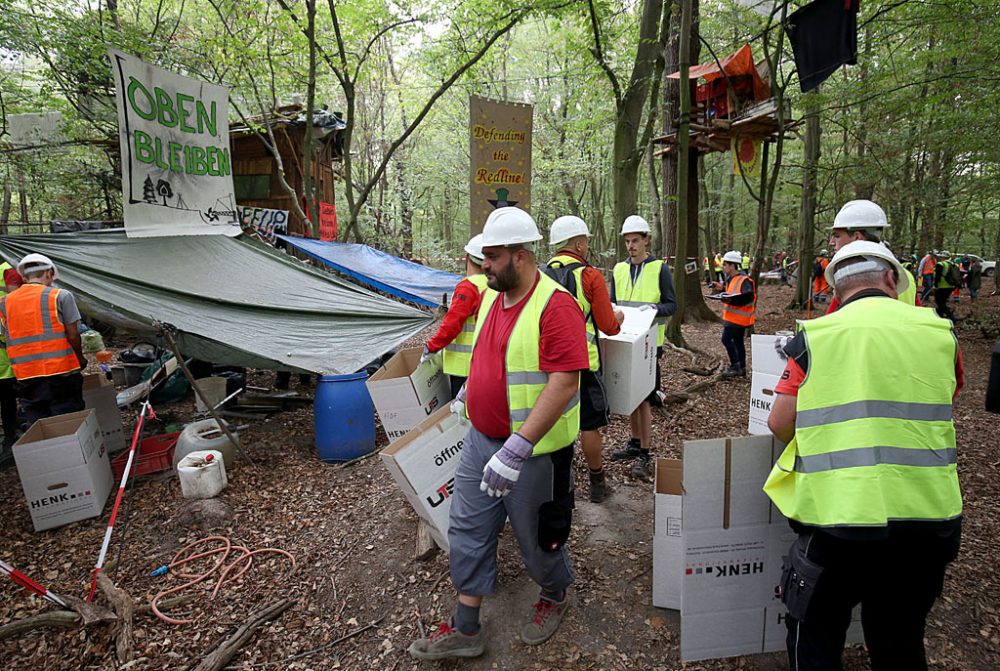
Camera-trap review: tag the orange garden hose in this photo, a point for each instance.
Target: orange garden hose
(228, 574)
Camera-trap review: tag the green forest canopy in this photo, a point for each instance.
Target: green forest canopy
(913, 125)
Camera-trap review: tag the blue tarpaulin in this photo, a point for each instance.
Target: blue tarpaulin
(391, 274)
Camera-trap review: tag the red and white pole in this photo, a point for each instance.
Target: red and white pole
(29, 584)
(146, 407)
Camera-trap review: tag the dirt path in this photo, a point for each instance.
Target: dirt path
(352, 534)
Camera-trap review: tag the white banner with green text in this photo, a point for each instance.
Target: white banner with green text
(177, 176)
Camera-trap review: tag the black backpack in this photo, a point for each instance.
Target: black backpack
(564, 275)
(954, 276)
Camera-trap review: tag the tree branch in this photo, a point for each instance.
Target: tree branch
(375, 38)
(598, 53)
(441, 90)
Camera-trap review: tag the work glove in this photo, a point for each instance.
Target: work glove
(647, 306)
(457, 406)
(504, 468)
(425, 354)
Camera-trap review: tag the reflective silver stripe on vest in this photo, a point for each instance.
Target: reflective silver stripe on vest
(28, 358)
(41, 337)
(468, 327)
(927, 412)
(46, 316)
(633, 304)
(873, 456)
(464, 349)
(591, 338)
(527, 377)
(522, 415)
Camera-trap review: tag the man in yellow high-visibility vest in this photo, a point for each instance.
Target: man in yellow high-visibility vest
(522, 399)
(644, 282)
(454, 335)
(868, 479)
(569, 267)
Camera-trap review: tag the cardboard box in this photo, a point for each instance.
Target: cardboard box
(767, 369)
(733, 541)
(64, 469)
(763, 356)
(761, 398)
(668, 545)
(99, 395)
(406, 391)
(628, 361)
(423, 464)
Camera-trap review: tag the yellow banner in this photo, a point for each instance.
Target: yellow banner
(500, 153)
(746, 152)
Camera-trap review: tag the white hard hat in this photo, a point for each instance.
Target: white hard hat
(635, 224)
(943, 254)
(36, 262)
(475, 248)
(873, 251)
(733, 257)
(857, 214)
(567, 228)
(509, 226)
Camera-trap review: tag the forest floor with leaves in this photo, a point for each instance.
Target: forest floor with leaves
(360, 597)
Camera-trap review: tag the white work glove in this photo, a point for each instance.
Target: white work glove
(504, 468)
(457, 406)
(619, 315)
(426, 354)
(646, 307)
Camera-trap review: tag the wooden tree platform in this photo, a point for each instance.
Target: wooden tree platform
(759, 122)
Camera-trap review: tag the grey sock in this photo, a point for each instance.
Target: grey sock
(467, 619)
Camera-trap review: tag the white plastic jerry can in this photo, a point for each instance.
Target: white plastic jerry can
(202, 474)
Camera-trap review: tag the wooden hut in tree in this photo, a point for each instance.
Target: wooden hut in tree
(255, 170)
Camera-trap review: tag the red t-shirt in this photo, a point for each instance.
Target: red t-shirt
(562, 348)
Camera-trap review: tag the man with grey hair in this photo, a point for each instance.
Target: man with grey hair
(41, 325)
(868, 478)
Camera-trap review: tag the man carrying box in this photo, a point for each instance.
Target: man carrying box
(41, 326)
(644, 282)
(570, 269)
(868, 480)
(454, 335)
(523, 401)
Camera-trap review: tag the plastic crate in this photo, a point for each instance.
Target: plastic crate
(155, 454)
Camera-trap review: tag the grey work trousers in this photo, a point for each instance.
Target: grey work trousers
(476, 519)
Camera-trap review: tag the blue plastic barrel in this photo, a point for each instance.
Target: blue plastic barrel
(345, 418)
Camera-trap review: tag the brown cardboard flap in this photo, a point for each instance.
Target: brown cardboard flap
(401, 365)
(93, 381)
(54, 427)
(669, 476)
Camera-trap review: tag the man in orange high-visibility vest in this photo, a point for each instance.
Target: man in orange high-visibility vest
(738, 303)
(41, 326)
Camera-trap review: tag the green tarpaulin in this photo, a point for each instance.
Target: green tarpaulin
(233, 301)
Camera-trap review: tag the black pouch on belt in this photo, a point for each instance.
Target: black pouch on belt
(799, 577)
(555, 517)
